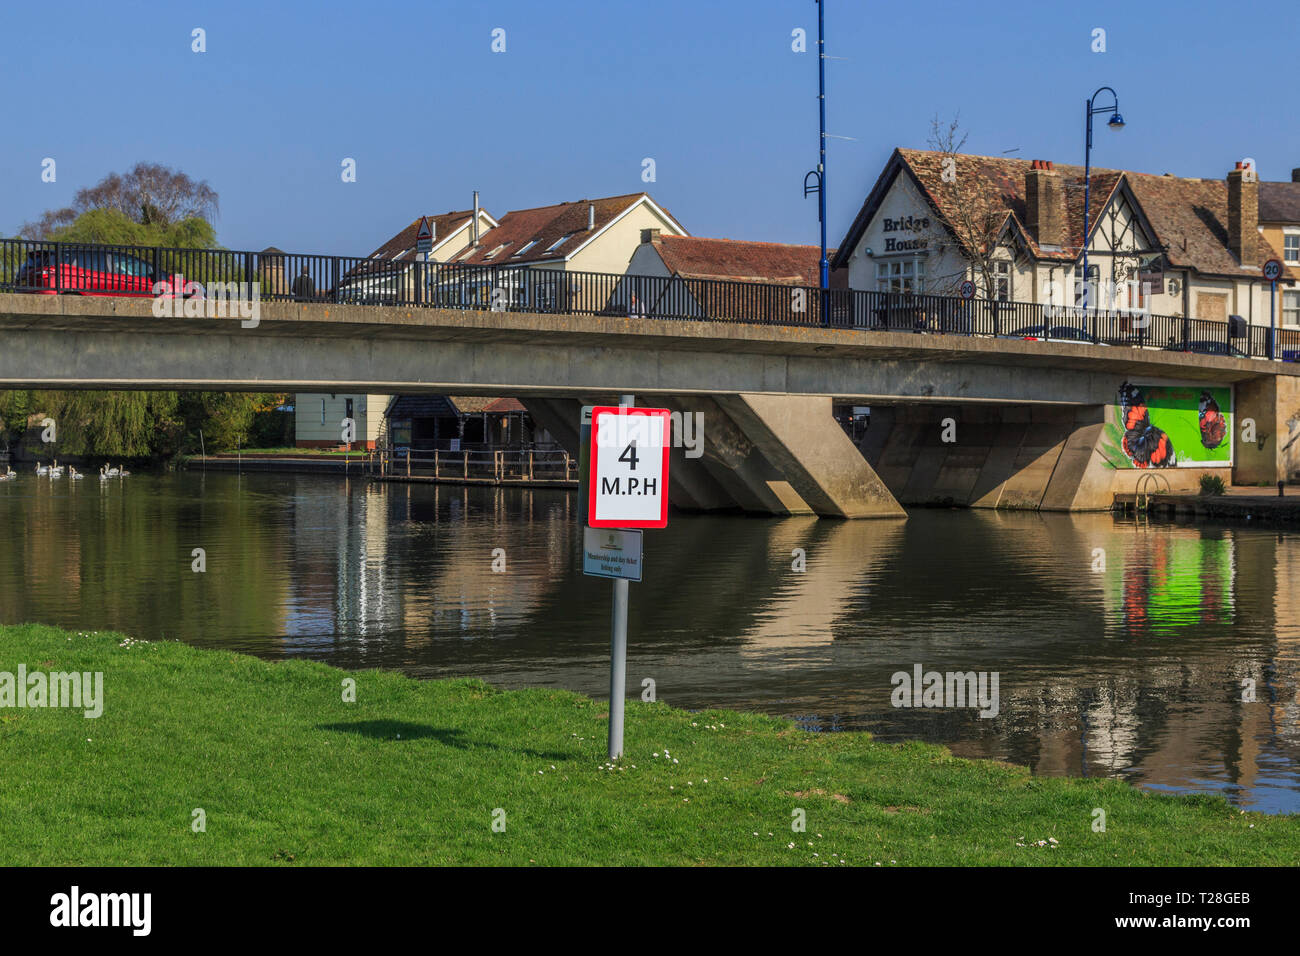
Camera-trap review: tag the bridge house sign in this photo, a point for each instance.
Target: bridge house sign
(912, 224)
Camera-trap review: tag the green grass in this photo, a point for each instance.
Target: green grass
(287, 773)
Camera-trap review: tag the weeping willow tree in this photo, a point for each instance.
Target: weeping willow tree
(114, 424)
(15, 411)
(148, 206)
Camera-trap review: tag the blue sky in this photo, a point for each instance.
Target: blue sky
(588, 88)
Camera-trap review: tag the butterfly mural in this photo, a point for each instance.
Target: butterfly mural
(1145, 445)
(1214, 427)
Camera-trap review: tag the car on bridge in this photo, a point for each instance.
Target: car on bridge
(1207, 348)
(84, 271)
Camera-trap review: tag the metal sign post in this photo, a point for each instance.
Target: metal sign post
(617, 643)
(423, 250)
(626, 469)
(1272, 272)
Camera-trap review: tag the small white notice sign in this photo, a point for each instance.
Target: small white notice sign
(611, 553)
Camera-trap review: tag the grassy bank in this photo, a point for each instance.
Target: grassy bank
(288, 773)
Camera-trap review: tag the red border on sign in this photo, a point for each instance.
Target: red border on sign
(1280, 270)
(596, 412)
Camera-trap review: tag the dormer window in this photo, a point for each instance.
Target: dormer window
(524, 248)
(495, 252)
(559, 242)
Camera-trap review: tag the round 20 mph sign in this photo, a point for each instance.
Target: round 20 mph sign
(627, 486)
(1272, 270)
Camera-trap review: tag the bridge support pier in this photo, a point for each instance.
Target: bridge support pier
(799, 436)
(1273, 402)
(765, 454)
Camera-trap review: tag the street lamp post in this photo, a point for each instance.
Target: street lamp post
(821, 161)
(1116, 122)
(818, 175)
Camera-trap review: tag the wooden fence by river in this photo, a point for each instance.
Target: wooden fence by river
(545, 467)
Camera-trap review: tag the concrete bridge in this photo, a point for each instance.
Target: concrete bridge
(1027, 419)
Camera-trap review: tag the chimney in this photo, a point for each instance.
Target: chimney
(1045, 203)
(591, 217)
(474, 224)
(1243, 215)
(649, 235)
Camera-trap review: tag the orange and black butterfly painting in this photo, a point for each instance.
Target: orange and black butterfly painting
(1145, 445)
(1214, 427)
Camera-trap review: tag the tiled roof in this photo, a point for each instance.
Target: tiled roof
(1279, 202)
(735, 259)
(1189, 216)
(421, 406)
(443, 226)
(546, 225)
(473, 404)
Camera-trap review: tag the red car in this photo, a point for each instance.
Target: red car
(85, 272)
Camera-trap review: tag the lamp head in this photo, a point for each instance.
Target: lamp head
(1116, 121)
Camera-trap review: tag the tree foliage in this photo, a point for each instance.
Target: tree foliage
(116, 228)
(974, 216)
(149, 194)
(149, 206)
(15, 409)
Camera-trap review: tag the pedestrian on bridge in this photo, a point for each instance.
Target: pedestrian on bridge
(304, 288)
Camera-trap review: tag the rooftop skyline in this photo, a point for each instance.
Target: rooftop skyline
(585, 92)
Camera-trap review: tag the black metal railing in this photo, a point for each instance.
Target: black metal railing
(94, 269)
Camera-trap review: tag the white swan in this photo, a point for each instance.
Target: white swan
(112, 472)
(102, 476)
(9, 474)
(42, 469)
(73, 474)
(123, 473)
(56, 470)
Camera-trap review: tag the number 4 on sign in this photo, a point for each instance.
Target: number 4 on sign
(628, 481)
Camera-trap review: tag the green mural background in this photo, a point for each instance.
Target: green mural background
(1170, 417)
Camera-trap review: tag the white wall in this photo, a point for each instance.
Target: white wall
(367, 412)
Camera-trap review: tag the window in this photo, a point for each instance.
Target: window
(1291, 247)
(559, 242)
(322, 411)
(1291, 309)
(347, 408)
(1002, 276)
(131, 266)
(1212, 306)
(495, 252)
(402, 253)
(900, 275)
(524, 248)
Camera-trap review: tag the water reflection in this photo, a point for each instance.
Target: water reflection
(1122, 649)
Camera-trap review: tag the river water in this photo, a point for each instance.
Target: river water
(1120, 649)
